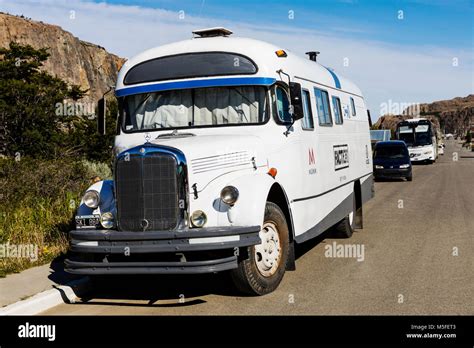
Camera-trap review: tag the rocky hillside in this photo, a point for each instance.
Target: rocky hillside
(75, 61)
(453, 116)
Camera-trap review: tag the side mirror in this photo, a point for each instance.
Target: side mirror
(296, 100)
(101, 112)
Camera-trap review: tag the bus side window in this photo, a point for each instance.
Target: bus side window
(336, 104)
(308, 123)
(282, 105)
(322, 104)
(353, 107)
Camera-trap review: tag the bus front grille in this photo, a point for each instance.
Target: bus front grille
(147, 193)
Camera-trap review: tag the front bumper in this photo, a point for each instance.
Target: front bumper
(202, 250)
(392, 173)
(421, 157)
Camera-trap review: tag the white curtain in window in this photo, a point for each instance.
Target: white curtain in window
(158, 110)
(212, 106)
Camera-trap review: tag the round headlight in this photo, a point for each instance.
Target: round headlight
(229, 195)
(198, 218)
(107, 220)
(91, 199)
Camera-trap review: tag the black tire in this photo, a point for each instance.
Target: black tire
(409, 178)
(345, 228)
(247, 277)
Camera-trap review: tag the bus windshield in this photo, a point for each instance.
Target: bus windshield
(422, 135)
(215, 106)
(406, 134)
(418, 135)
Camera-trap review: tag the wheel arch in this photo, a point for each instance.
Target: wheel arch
(277, 195)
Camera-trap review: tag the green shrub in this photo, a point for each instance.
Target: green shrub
(97, 169)
(468, 136)
(26, 178)
(37, 205)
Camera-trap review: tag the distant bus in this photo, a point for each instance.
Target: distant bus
(420, 137)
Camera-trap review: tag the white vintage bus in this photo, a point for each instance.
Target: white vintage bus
(229, 151)
(420, 136)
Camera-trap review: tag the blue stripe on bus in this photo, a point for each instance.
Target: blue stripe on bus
(336, 79)
(232, 81)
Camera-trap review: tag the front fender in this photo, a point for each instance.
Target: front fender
(253, 189)
(250, 206)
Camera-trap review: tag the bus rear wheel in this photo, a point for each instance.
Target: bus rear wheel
(263, 270)
(345, 228)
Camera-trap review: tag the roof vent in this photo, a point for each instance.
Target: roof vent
(212, 32)
(312, 55)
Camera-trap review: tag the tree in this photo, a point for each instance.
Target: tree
(94, 146)
(28, 99)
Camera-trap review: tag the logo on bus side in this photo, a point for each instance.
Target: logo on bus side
(311, 161)
(341, 156)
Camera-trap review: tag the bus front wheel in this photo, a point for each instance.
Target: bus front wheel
(263, 270)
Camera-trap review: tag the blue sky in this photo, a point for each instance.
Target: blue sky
(435, 22)
(426, 56)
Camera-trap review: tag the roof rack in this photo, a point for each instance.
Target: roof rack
(212, 32)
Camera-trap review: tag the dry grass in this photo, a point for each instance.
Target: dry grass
(37, 205)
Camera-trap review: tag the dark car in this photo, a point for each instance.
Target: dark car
(391, 160)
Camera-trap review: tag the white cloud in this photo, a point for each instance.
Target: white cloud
(402, 73)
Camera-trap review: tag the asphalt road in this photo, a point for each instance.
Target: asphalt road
(418, 241)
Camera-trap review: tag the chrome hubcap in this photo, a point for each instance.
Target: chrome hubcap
(268, 253)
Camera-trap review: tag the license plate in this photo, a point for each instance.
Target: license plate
(87, 221)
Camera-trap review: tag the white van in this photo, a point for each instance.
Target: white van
(229, 151)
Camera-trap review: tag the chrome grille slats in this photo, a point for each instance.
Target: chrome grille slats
(147, 193)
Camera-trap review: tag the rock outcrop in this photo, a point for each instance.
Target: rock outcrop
(74, 61)
(454, 116)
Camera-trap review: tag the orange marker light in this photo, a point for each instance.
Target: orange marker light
(272, 172)
(281, 53)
